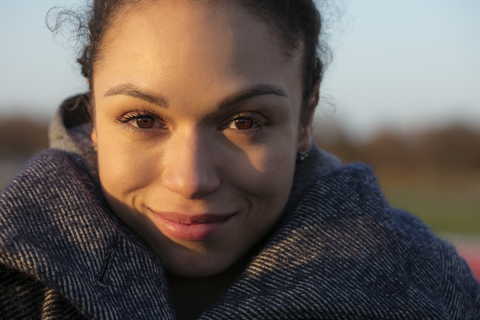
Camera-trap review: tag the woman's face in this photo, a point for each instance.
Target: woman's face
(197, 128)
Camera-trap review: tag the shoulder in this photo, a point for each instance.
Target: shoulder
(60, 238)
(49, 168)
(23, 297)
(34, 222)
(50, 193)
(43, 210)
(53, 212)
(349, 198)
(345, 251)
(403, 255)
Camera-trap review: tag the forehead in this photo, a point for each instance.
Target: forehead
(187, 42)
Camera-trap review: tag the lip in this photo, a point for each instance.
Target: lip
(191, 227)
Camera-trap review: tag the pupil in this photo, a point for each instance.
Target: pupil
(145, 123)
(243, 124)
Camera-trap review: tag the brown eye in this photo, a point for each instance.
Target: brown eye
(145, 123)
(243, 124)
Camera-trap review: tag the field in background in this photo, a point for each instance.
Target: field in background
(20, 139)
(435, 173)
(445, 213)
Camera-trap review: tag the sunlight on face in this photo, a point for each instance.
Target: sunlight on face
(197, 129)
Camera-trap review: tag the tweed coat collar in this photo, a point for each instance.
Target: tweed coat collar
(337, 250)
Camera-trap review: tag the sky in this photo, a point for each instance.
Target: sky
(402, 65)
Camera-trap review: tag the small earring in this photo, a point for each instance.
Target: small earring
(302, 155)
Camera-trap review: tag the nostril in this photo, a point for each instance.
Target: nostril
(188, 166)
(190, 181)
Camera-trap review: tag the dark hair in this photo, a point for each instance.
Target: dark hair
(297, 21)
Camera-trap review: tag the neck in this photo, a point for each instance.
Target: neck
(192, 296)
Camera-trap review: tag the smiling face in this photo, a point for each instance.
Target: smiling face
(197, 128)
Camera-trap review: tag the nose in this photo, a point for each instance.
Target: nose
(189, 166)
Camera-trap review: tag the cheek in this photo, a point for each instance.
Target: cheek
(124, 167)
(266, 173)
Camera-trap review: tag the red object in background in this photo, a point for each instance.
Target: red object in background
(471, 254)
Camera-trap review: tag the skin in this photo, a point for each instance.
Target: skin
(183, 69)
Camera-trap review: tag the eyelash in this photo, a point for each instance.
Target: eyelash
(255, 117)
(128, 116)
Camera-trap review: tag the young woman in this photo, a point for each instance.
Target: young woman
(185, 184)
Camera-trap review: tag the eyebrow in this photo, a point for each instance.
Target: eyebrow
(132, 91)
(254, 91)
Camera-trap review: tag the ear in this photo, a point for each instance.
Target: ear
(305, 139)
(93, 136)
(93, 133)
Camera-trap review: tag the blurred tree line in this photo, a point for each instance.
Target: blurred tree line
(21, 137)
(434, 157)
(454, 148)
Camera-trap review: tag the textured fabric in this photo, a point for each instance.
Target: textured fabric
(343, 254)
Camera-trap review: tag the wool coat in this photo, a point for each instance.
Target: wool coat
(339, 252)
